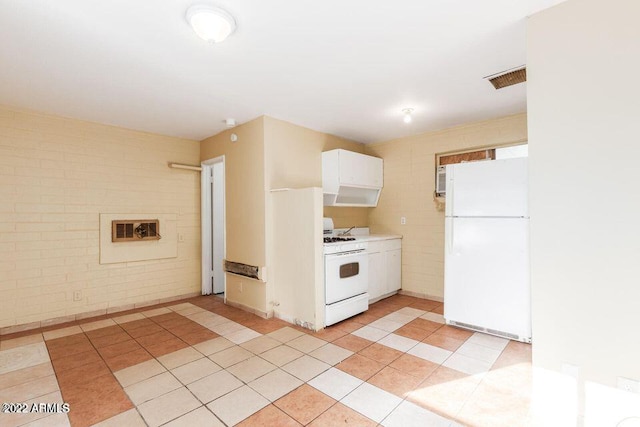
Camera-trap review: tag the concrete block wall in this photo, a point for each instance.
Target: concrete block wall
(56, 176)
(409, 182)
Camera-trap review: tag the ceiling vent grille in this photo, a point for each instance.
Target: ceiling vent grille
(508, 78)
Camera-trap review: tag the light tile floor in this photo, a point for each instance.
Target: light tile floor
(200, 362)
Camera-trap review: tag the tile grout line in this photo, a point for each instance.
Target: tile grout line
(241, 322)
(101, 358)
(111, 372)
(185, 386)
(478, 385)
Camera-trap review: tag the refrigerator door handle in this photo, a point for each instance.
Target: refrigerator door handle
(449, 226)
(450, 190)
(451, 239)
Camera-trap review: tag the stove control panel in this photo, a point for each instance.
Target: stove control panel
(342, 247)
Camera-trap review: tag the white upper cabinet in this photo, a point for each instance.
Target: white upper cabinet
(351, 179)
(359, 169)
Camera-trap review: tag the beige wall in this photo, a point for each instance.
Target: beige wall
(293, 159)
(583, 66)
(296, 267)
(409, 182)
(245, 209)
(56, 176)
(347, 217)
(244, 169)
(294, 156)
(268, 154)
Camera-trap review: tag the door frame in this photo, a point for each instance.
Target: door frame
(206, 216)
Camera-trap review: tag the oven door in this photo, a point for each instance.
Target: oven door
(345, 275)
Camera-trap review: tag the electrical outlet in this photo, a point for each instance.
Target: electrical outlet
(629, 385)
(403, 220)
(77, 295)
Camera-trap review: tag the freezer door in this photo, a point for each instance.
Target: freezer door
(487, 273)
(489, 188)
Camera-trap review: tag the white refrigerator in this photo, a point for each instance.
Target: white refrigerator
(486, 286)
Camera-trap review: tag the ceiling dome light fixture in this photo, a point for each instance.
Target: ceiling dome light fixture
(211, 23)
(407, 115)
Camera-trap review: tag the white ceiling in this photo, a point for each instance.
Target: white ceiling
(341, 67)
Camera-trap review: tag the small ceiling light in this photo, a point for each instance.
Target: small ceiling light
(407, 114)
(211, 23)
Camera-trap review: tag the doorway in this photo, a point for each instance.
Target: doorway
(213, 226)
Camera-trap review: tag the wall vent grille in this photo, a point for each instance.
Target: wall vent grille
(495, 332)
(242, 269)
(135, 230)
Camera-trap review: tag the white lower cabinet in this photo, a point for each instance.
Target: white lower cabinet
(393, 259)
(385, 268)
(377, 276)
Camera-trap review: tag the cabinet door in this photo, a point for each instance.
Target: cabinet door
(393, 261)
(358, 169)
(377, 277)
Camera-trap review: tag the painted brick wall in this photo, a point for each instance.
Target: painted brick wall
(56, 176)
(409, 182)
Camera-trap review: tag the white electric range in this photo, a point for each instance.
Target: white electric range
(346, 271)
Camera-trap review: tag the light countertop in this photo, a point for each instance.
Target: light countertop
(375, 237)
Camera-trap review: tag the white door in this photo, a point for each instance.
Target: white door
(213, 226)
(488, 188)
(217, 221)
(487, 273)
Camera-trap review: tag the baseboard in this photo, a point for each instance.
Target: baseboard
(382, 297)
(293, 321)
(284, 317)
(260, 313)
(88, 314)
(420, 295)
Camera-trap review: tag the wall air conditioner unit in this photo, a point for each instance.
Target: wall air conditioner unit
(441, 181)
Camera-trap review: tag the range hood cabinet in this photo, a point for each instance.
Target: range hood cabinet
(351, 179)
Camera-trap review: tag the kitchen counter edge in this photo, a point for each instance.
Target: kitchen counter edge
(376, 237)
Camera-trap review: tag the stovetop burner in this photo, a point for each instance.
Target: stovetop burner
(338, 239)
